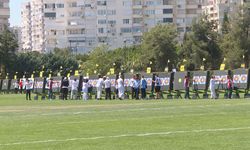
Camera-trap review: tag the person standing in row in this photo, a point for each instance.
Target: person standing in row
(74, 89)
(28, 87)
(107, 85)
(137, 86)
(121, 89)
(65, 86)
(143, 87)
(85, 89)
(132, 86)
(16, 86)
(212, 87)
(157, 86)
(186, 87)
(50, 85)
(21, 86)
(99, 85)
(229, 86)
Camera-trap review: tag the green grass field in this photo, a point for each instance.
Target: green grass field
(124, 125)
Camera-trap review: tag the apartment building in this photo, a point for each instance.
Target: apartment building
(32, 26)
(26, 38)
(82, 25)
(216, 9)
(4, 14)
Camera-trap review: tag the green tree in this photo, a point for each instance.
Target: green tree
(159, 46)
(226, 24)
(236, 43)
(8, 46)
(201, 42)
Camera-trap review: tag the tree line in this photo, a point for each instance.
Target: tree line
(204, 46)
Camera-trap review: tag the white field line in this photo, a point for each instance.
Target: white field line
(126, 135)
(163, 117)
(124, 110)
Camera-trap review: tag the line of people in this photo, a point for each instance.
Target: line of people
(137, 85)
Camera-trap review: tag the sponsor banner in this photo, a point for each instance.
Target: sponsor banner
(221, 79)
(5, 84)
(199, 80)
(240, 78)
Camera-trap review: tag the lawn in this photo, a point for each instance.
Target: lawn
(124, 125)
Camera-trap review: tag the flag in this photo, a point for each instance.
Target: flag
(182, 68)
(222, 67)
(243, 65)
(112, 70)
(148, 70)
(77, 73)
(41, 74)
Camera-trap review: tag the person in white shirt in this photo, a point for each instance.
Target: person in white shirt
(16, 86)
(212, 87)
(28, 87)
(120, 88)
(85, 87)
(74, 89)
(107, 86)
(99, 86)
(132, 86)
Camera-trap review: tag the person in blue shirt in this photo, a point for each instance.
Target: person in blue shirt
(143, 87)
(157, 86)
(137, 83)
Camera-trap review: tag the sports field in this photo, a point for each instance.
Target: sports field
(124, 125)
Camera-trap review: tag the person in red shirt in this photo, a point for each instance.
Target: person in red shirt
(186, 86)
(21, 86)
(229, 86)
(50, 85)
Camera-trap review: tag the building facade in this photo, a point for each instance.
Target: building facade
(216, 9)
(82, 25)
(4, 14)
(32, 26)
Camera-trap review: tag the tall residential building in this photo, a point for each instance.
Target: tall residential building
(26, 38)
(216, 9)
(32, 31)
(82, 25)
(4, 14)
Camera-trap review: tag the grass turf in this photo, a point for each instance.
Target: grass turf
(124, 125)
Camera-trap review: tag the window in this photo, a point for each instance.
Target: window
(137, 20)
(50, 15)
(137, 29)
(1, 4)
(59, 5)
(167, 11)
(168, 2)
(126, 30)
(112, 22)
(102, 21)
(101, 12)
(101, 30)
(149, 12)
(75, 31)
(125, 21)
(167, 20)
(101, 3)
(111, 12)
(73, 4)
(50, 5)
